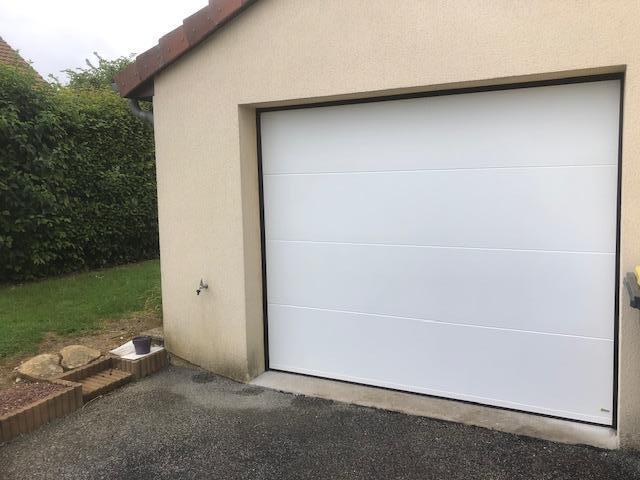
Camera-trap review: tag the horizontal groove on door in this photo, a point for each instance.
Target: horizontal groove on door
(355, 172)
(439, 322)
(452, 247)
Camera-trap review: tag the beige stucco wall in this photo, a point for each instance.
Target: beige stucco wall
(304, 50)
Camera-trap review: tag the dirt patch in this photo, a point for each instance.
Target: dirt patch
(23, 394)
(111, 334)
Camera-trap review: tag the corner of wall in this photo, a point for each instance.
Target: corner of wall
(252, 243)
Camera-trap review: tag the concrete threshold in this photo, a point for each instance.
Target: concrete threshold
(553, 429)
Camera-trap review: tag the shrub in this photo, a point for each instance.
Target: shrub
(77, 179)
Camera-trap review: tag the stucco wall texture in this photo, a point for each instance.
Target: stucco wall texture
(298, 51)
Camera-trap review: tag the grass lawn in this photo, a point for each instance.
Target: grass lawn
(75, 303)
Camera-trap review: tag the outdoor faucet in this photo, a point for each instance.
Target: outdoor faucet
(203, 286)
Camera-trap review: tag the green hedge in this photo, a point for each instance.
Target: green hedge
(77, 179)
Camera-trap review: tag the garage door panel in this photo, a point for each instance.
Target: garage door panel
(565, 125)
(462, 245)
(550, 374)
(532, 291)
(564, 208)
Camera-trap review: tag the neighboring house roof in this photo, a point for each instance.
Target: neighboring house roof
(9, 56)
(136, 80)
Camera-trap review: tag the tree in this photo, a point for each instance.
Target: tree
(98, 75)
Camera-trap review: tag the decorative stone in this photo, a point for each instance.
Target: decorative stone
(46, 365)
(75, 356)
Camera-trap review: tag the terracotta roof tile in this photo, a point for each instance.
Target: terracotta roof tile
(173, 44)
(136, 81)
(9, 56)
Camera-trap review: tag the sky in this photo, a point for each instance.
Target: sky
(60, 34)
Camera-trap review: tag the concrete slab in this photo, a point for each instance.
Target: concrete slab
(519, 423)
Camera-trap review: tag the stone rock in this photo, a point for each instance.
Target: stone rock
(75, 356)
(46, 365)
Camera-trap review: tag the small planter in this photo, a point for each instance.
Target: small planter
(142, 344)
(145, 366)
(30, 417)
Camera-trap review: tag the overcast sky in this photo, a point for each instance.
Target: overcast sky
(60, 34)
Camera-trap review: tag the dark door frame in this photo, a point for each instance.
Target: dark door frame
(460, 91)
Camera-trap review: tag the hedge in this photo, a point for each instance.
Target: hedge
(77, 179)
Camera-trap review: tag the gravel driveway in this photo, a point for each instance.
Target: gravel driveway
(184, 423)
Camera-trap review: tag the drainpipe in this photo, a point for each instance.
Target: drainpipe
(134, 106)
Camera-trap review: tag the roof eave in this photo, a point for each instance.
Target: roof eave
(136, 80)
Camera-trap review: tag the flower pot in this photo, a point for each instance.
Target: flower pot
(142, 344)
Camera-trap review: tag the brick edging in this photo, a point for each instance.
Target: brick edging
(144, 366)
(33, 416)
(102, 363)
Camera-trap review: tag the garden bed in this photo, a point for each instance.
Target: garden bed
(24, 394)
(27, 406)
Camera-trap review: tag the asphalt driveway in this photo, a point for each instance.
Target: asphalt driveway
(184, 423)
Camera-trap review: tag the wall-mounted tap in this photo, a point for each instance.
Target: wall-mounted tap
(203, 286)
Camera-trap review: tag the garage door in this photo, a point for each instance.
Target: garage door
(460, 245)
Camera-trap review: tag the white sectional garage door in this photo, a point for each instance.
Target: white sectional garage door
(461, 245)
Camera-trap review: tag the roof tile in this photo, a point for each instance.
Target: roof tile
(9, 56)
(173, 44)
(149, 62)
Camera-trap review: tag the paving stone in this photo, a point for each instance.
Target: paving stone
(75, 356)
(46, 365)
